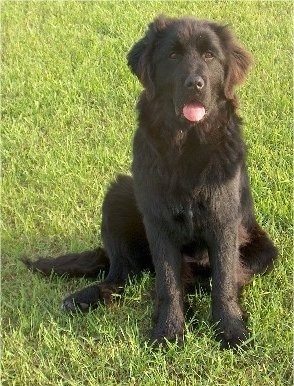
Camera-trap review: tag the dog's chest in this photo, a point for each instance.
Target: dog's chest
(187, 192)
(189, 214)
(203, 208)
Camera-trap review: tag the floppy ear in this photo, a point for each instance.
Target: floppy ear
(140, 56)
(238, 61)
(238, 65)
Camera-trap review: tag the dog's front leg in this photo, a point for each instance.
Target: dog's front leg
(167, 259)
(226, 311)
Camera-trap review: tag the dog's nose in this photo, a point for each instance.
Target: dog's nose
(196, 82)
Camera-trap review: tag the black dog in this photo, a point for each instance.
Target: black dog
(187, 213)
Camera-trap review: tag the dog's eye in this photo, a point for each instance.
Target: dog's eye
(173, 55)
(207, 56)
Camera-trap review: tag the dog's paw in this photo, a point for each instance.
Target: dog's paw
(233, 336)
(69, 304)
(84, 300)
(169, 332)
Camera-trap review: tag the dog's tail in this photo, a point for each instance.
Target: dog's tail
(85, 264)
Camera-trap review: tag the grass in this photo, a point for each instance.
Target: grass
(68, 118)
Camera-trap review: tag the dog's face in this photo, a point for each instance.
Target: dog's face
(191, 63)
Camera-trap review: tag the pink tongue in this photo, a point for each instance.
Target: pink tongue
(194, 112)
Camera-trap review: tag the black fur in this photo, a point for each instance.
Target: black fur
(187, 213)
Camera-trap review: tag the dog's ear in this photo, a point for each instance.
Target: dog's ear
(140, 56)
(237, 68)
(238, 60)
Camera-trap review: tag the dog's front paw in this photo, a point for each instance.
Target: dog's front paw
(232, 335)
(171, 331)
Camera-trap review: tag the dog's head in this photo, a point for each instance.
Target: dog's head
(192, 63)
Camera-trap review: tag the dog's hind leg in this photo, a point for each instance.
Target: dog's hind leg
(104, 292)
(125, 251)
(125, 244)
(89, 297)
(257, 255)
(122, 266)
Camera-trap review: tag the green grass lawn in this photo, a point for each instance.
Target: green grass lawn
(68, 118)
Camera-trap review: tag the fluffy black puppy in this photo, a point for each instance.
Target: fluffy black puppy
(187, 213)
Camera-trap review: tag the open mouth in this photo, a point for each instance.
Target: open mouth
(194, 112)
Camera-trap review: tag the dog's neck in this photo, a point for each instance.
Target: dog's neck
(160, 122)
(193, 146)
